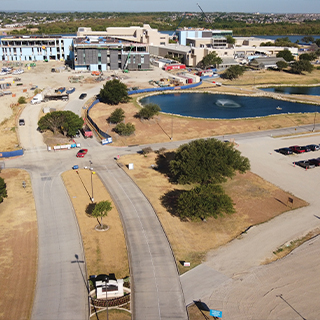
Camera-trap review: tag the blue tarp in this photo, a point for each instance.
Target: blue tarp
(10, 154)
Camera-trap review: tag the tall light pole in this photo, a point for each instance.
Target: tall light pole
(314, 121)
(91, 169)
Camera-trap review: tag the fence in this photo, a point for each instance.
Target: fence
(189, 86)
(10, 154)
(102, 133)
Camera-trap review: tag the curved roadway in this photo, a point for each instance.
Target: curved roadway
(61, 291)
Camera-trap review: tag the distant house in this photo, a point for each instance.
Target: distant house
(265, 62)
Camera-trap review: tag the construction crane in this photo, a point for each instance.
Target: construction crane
(125, 70)
(208, 20)
(174, 34)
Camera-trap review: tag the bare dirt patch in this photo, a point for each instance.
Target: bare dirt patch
(18, 247)
(106, 251)
(256, 201)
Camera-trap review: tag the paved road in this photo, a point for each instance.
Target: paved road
(240, 260)
(157, 292)
(61, 291)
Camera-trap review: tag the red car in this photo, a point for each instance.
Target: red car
(81, 153)
(297, 149)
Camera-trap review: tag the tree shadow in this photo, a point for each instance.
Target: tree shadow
(163, 165)
(90, 207)
(169, 201)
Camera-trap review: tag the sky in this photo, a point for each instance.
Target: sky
(270, 6)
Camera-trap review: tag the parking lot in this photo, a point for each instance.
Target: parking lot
(255, 291)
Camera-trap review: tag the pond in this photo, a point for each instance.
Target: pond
(222, 106)
(313, 91)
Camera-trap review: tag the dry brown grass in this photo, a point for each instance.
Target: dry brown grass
(285, 249)
(256, 201)
(18, 247)
(268, 77)
(159, 129)
(9, 139)
(113, 315)
(106, 251)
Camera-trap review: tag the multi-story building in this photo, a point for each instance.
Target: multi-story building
(97, 53)
(35, 48)
(145, 34)
(215, 37)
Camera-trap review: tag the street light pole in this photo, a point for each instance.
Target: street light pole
(91, 169)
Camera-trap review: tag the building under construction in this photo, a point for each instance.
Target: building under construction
(98, 53)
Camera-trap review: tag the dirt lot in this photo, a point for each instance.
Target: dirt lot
(18, 247)
(105, 251)
(255, 199)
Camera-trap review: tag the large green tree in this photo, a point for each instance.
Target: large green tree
(3, 189)
(211, 59)
(65, 122)
(204, 201)
(286, 55)
(101, 209)
(300, 66)
(207, 161)
(114, 92)
(233, 72)
(281, 65)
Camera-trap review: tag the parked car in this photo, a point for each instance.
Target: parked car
(82, 95)
(21, 122)
(297, 149)
(81, 153)
(305, 164)
(315, 161)
(285, 151)
(305, 148)
(313, 147)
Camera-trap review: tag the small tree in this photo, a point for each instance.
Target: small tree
(149, 110)
(114, 92)
(117, 116)
(307, 39)
(101, 210)
(125, 129)
(3, 189)
(211, 59)
(286, 55)
(281, 65)
(308, 56)
(22, 100)
(233, 72)
(230, 39)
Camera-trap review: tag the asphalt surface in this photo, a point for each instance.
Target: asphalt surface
(61, 291)
(236, 282)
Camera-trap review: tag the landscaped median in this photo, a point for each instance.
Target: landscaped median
(105, 251)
